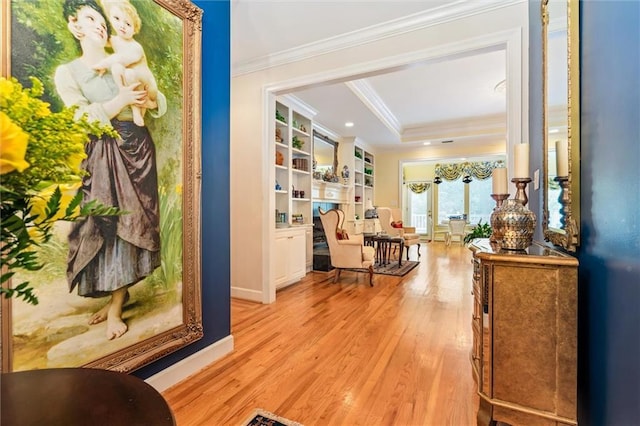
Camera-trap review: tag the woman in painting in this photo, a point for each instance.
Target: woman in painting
(109, 254)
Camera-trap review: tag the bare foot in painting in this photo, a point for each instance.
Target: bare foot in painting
(115, 326)
(100, 316)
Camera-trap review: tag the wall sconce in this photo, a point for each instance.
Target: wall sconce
(437, 180)
(467, 179)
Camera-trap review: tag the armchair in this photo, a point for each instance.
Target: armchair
(348, 253)
(407, 233)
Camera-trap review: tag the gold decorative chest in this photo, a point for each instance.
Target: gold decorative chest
(524, 354)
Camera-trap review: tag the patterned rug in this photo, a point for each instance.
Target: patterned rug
(264, 418)
(393, 269)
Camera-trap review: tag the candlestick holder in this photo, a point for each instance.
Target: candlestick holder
(499, 198)
(569, 239)
(521, 192)
(563, 199)
(496, 236)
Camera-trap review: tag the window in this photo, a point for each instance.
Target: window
(480, 202)
(473, 199)
(450, 199)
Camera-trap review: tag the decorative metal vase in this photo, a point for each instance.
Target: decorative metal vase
(513, 225)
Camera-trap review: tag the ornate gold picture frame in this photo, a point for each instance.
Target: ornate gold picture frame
(162, 310)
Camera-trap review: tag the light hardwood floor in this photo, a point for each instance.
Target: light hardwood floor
(346, 353)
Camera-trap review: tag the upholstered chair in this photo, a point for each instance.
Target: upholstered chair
(348, 252)
(408, 233)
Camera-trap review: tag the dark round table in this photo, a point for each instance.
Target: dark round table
(78, 397)
(384, 243)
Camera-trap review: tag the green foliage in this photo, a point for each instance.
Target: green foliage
(481, 230)
(171, 231)
(28, 206)
(170, 272)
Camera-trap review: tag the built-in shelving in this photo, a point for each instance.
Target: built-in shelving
(293, 163)
(364, 175)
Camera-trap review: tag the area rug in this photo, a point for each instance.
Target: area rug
(393, 269)
(261, 417)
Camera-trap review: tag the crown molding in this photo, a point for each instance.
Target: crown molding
(417, 21)
(475, 127)
(370, 98)
(300, 106)
(325, 131)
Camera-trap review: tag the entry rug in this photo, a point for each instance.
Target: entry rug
(264, 418)
(393, 269)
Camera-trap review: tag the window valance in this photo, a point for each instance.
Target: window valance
(419, 188)
(478, 169)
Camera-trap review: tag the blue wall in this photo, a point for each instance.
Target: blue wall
(216, 285)
(609, 273)
(610, 252)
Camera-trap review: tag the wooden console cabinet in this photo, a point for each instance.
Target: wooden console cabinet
(524, 353)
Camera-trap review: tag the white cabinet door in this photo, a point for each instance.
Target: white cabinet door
(290, 256)
(281, 261)
(298, 256)
(309, 251)
(372, 226)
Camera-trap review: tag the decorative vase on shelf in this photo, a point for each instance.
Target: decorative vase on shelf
(513, 225)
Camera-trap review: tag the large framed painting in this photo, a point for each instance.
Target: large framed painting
(116, 291)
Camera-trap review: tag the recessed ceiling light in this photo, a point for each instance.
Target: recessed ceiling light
(554, 131)
(426, 143)
(348, 124)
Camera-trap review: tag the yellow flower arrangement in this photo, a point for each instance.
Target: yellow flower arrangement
(14, 146)
(40, 173)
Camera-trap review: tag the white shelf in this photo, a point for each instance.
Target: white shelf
(300, 152)
(295, 170)
(300, 132)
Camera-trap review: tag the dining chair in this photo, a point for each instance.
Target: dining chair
(456, 227)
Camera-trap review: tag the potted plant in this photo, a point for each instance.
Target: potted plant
(481, 230)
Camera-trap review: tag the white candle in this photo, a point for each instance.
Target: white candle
(521, 160)
(499, 181)
(562, 158)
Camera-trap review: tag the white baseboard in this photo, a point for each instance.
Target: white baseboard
(247, 294)
(191, 365)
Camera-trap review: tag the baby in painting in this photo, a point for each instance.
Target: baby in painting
(128, 63)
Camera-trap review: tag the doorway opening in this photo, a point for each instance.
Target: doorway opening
(417, 207)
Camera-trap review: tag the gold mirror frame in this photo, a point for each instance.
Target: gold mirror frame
(333, 144)
(568, 235)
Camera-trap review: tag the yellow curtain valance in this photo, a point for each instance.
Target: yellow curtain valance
(419, 188)
(478, 169)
